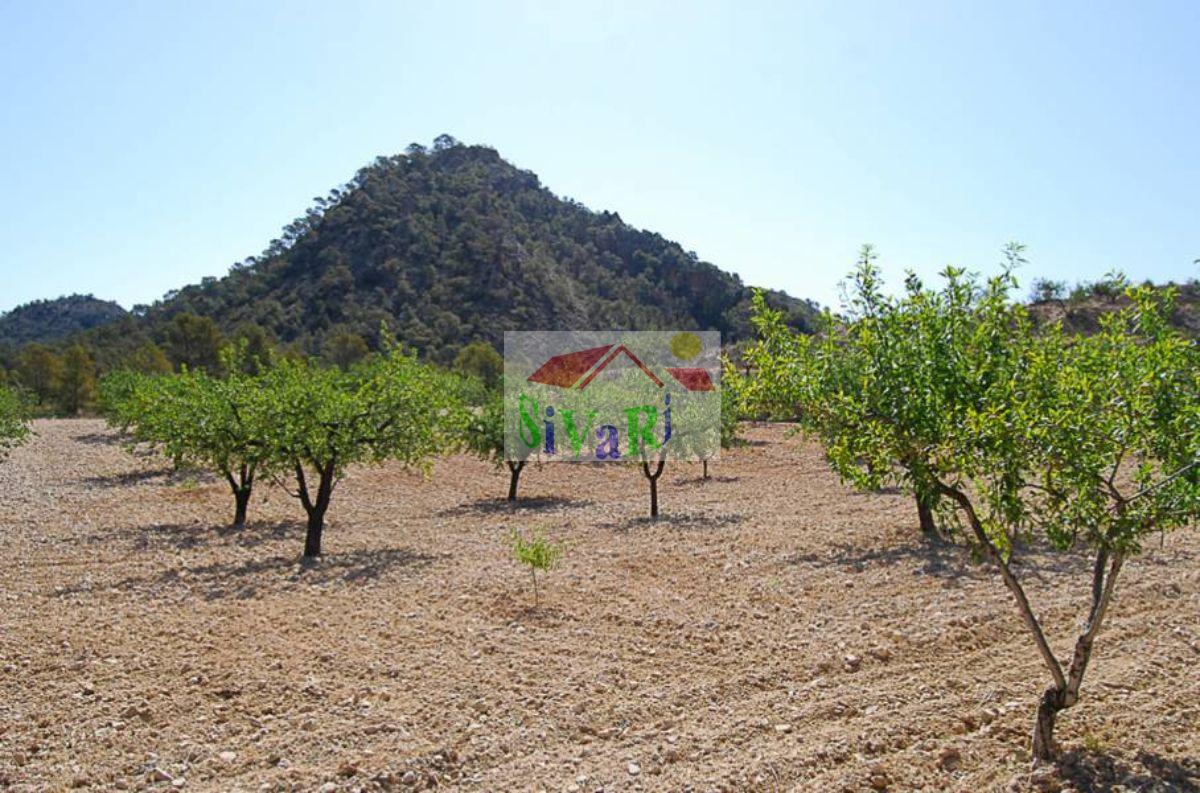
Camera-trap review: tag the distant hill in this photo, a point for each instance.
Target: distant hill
(452, 244)
(1081, 312)
(49, 321)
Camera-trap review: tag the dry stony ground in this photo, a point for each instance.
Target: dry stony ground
(775, 631)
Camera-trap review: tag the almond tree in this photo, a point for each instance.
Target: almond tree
(876, 436)
(1088, 442)
(316, 422)
(14, 428)
(538, 554)
(698, 429)
(196, 419)
(483, 436)
(1114, 420)
(219, 428)
(118, 391)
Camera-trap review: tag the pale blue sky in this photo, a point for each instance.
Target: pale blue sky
(146, 145)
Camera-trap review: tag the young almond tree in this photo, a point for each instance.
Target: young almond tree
(118, 393)
(1088, 442)
(869, 385)
(483, 436)
(538, 554)
(220, 429)
(316, 422)
(698, 430)
(1114, 422)
(14, 428)
(195, 419)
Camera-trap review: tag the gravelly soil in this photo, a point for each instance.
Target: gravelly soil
(774, 631)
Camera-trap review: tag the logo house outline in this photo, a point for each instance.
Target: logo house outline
(578, 369)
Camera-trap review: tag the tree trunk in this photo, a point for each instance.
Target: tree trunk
(706, 469)
(242, 487)
(1104, 580)
(1043, 729)
(514, 475)
(653, 477)
(241, 499)
(312, 537)
(1065, 691)
(925, 504)
(315, 507)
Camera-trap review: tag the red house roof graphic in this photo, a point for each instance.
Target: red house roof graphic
(568, 369)
(565, 370)
(693, 379)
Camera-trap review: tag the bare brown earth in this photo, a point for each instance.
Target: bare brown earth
(775, 631)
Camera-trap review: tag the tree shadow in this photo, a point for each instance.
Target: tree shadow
(1036, 558)
(931, 556)
(246, 580)
(946, 558)
(129, 478)
(184, 536)
(249, 535)
(98, 438)
(1100, 771)
(526, 613)
(701, 480)
(684, 520)
(500, 506)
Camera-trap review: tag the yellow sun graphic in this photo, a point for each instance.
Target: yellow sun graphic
(686, 346)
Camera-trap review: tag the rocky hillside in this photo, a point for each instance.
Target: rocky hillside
(1081, 311)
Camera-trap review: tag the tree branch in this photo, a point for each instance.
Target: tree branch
(1102, 590)
(302, 489)
(1146, 490)
(1011, 582)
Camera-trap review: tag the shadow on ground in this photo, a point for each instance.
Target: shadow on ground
(519, 608)
(495, 506)
(683, 520)
(249, 579)
(184, 536)
(130, 478)
(947, 559)
(98, 439)
(700, 480)
(1088, 770)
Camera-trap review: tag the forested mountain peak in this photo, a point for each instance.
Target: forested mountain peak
(449, 244)
(48, 321)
